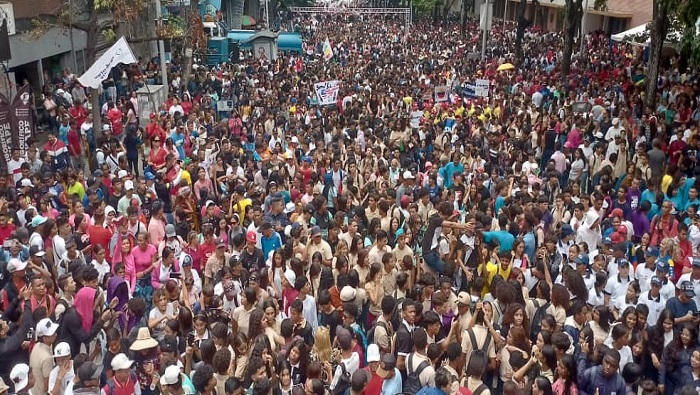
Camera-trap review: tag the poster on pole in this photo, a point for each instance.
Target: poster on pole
(327, 92)
(441, 93)
(21, 118)
(5, 131)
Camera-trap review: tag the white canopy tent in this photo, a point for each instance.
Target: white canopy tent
(638, 33)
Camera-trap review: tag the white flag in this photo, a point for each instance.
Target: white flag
(99, 71)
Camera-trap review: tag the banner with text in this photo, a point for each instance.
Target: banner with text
(120, 52)
(327, 92)
(22, 121)
(5, 131)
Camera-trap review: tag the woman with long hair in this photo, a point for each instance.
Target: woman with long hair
(675, 370)
(322, 349)
(516, 342)
(567, 380)
(602, 319)
(157, 154)
(560, 303)
(660, 336)
(515, 317)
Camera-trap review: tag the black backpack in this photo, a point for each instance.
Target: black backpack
(370, 334)
(487, 342)
(343, 381)
(536, 323)
(412, 384)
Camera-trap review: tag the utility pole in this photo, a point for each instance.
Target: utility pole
(161, 46)
(505, 16)
(70, 31)
(486, 12)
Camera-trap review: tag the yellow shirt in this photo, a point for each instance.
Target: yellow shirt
(666, 182)
(240, 208)
(491, 270)
(187, 177)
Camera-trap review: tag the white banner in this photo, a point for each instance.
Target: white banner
(327, 92)
(441, 93)
(482, 87)
(99, 71)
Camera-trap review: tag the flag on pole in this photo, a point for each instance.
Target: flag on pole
(99, 71)
(327, 50)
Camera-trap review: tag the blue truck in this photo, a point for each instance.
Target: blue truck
(222, 43)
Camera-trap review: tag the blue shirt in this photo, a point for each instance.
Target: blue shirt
(530, 245)
(680, 309)
(271, 243)
(500, 202)
(394, 385)
(430, 391)
(505, 239)
(449, 171)
(178, 142)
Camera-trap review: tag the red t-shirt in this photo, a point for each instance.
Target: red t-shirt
(374, 387)
(153, 130)
(205, 251)
(115, 117)
(79, 114)
(74, 146)
(157, 157)
(102, 236)
(6, 232)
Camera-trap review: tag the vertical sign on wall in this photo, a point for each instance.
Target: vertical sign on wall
(5, 131)
(22, 118)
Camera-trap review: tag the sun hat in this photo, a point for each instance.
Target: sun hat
(143, 341)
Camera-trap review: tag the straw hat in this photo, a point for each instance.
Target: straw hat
(143, 341)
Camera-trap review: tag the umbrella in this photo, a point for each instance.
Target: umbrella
(505, 66)
(248, 20)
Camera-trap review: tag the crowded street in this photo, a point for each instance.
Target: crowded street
(362, 203)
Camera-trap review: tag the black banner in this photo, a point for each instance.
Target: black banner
(22, 122)
(5, 131)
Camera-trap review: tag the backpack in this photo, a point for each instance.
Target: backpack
(370, 334)
(487, 341)
(110, 383)
(344, 381)
(412, 384)
(480, 389)
(536, 322)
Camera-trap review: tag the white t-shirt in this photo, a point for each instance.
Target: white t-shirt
(13, 167)
(67, 379)
(155, 314)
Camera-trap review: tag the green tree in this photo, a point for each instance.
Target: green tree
(98, 19)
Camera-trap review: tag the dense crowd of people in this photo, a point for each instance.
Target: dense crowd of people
(541, 238)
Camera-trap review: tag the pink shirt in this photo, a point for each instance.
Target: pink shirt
(156, 231)
(143, 259)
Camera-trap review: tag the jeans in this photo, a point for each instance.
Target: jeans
(433, 260)
(133, 165)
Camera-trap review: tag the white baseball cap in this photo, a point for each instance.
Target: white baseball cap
(171, 375)
(373, 353)
(62, 349)
(121, 362)
(16, 265)
(20, 376)
(46, 327)
(128, 185)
